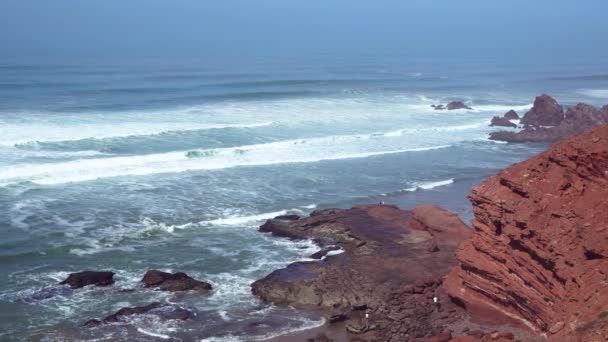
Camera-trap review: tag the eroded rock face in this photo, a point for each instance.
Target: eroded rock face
(179, 281)
(387, 268)
(545, 112)
(539, 254)
(85, 278)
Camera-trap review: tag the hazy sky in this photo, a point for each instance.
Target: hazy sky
(99, 30)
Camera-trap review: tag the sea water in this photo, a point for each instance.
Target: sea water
(135, 167)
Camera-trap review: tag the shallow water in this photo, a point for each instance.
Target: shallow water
(132, 168)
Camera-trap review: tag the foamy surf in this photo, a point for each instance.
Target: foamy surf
(423, 186)
(430, 185)
(290, 151)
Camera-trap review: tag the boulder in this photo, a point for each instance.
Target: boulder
(511, 115)
(539, 254)
(457, 105)
(504, 122)
(173, 281)
(545, 112)
(85, 278)
(163, 311)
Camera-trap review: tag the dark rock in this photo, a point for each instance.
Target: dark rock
(337, 317)
(92, 323)
(498, 121)
(457, 105)
(545, 112)
(85, 278)
(511, 115)
(323, 252)
(128, 311)
(288, 217)
(385, 250)
(47, 293)
(163, 311)
(438, 107)
(173, 282)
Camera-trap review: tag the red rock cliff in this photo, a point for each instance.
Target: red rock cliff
(539, 254)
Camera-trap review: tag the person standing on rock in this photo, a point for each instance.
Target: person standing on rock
(437, 303)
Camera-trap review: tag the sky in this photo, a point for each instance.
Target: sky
(240, 30)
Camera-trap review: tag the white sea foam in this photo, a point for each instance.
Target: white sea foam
(597, 93)
(240, 220)
(499, 109)
(290, 151)
(153, 334)
(430, 185)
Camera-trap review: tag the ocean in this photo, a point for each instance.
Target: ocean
(130, 167)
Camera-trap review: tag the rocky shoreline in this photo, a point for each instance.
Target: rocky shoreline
(534, 268)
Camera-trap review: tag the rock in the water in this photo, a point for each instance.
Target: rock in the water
(577, 119)
(504, 122)
(163, 311)
(545, 112)
(173, 281)
(47, 293)
(539, 254)
(457, 105)
(85, 278)
(511, 115)
(438, 107)
(288, 217)
(385, 251)
(323, 252)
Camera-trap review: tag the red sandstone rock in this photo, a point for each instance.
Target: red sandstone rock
(545, 112)
(539, 254)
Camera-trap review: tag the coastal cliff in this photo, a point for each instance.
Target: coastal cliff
(539, 255)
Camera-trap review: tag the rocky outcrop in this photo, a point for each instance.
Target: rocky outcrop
(511, 115)
(457, 105)
(451, 106)
(545, 112)
(539, 254)
(391, 266)
(85, 278)
(173, 282)
(504, 122)
(162, 311)
(576, 120)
